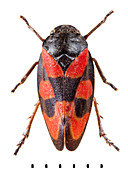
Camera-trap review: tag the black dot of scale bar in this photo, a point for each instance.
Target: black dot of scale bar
(101, 165)
(46, 165)
(73, 165)
(32, 165)
(87, 165)
(60, 166)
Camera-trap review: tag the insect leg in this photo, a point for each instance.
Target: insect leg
(25, 76)
(102, 75)
(98, 25)
(26, 134)
(31, 28)
(101, 131)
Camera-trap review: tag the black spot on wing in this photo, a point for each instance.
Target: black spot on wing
(70, 88)
(64, 88)
(57, 84)
(82, 106)
(49, 107)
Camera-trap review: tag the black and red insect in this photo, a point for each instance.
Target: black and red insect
(66, 86)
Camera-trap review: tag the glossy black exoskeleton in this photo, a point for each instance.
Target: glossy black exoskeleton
(64, 44)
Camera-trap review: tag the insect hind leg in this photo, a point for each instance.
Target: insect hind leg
(26, 134)
(101, 131)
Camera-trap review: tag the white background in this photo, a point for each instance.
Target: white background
(20, 48)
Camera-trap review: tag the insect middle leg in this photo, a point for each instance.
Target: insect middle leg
(25, 76)
(26, 134)
(102, 75)
(101, 131)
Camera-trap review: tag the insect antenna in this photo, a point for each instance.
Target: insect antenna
(98, 25)
(31, 28)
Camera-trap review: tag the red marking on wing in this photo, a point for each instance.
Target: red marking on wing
(77, 67)
(46, 90)
(52, 67)
(53, 124)
(63, 108)
(84, 90)
(77, 125)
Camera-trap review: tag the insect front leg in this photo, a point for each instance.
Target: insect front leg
(102, 75)
(25, 76)
(26, 134)
(101, 131)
